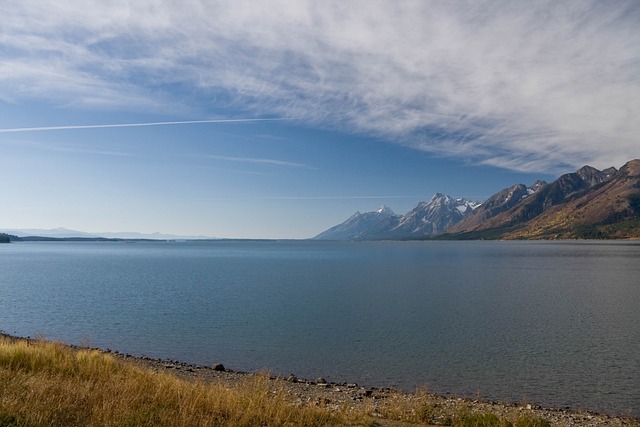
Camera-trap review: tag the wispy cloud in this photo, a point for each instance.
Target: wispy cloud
(69, 148)
(533, 86)
(78, 150)
(270, 162)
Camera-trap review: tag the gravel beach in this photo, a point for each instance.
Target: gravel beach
(340, 395)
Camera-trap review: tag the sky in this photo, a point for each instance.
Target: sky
(280, 119)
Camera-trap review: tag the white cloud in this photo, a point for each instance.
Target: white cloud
(535, 86)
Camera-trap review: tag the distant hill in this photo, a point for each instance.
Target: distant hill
(586, 204)
(64, 233)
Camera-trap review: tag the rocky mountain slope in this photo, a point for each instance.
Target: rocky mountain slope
(587, 203)
(500, 202)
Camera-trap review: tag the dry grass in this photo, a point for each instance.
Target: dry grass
(48, 384)
(426, 409)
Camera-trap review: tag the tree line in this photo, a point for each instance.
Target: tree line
(8, 238)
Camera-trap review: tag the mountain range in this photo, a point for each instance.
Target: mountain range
(425, 219)
(588, 203)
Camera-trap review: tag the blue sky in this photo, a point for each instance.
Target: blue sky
(310, 110)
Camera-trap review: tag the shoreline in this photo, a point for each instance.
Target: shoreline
(338, 396)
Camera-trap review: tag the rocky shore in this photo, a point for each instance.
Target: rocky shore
(377, 401)
(388, 407)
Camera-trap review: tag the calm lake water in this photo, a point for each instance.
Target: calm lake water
(550, 323)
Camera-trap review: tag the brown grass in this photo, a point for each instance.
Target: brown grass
(48, 384)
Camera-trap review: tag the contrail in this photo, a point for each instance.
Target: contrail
(128, 125)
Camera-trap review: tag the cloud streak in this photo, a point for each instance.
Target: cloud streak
(76, 150)
(528, 86)
(261, 161)
(129, 125)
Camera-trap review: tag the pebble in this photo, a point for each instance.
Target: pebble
(292, 378)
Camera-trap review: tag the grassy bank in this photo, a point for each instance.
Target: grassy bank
(50, 384)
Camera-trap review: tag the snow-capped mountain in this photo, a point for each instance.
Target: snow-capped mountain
(361, 226)
(425, 219)
(433, 217)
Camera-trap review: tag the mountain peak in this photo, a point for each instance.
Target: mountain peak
(385, 210)
(440, 196)
(631, 168)
(593, 176)
(586, 169)
(537, 185)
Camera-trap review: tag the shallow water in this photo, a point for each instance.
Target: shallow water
(551, 323)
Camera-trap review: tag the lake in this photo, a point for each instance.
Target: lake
(549, 323)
